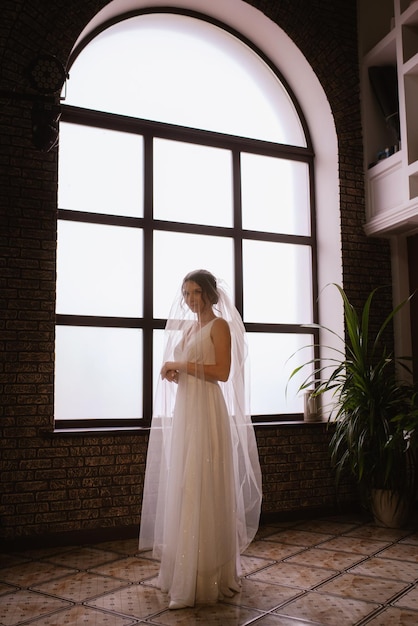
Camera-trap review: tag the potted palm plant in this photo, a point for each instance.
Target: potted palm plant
(374, 413)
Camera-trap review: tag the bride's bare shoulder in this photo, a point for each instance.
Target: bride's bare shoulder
(220, 325)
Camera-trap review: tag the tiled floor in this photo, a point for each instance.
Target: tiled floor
(335, 571)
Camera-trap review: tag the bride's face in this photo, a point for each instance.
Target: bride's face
(193, 297)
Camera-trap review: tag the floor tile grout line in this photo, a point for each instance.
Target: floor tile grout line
(366, 620)
(399, 595)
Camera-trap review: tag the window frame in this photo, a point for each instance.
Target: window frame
(150, 130)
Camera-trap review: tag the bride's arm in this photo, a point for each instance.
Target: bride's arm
(221, 338)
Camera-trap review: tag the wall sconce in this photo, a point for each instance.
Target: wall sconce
(46, 75)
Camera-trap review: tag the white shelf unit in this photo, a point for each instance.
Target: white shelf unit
(388, 36)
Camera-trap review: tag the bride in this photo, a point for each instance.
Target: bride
(202, 491)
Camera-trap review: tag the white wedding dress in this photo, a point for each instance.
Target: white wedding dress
(199, 562)
(202, 489)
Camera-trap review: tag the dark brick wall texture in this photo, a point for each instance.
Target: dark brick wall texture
(90, 483)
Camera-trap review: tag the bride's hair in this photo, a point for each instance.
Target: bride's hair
(207, 283)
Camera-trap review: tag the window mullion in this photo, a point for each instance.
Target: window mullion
(148, 280)
(237, 208)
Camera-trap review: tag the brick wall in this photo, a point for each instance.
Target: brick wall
(55, 484)
(61, 484)
(296, 472)
(93, 483)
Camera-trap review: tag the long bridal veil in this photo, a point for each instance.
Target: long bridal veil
(245, 462)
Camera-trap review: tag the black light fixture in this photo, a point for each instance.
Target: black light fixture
(46, 74)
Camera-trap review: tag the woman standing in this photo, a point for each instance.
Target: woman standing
(202, 492)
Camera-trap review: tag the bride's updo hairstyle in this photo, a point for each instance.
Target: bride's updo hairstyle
(207, 283)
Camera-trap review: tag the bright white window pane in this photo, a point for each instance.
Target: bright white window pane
(100, 171)
(182, 70)
(98, 373)
(277, 283)
(271, 365)
(99, 270)
(192, 183)
(275, 195)
(176, 254)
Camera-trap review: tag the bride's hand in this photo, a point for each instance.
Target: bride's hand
(169, 372)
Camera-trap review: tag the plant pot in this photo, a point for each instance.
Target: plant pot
(310, 408)
(389, 508)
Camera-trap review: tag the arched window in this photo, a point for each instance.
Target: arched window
(181, 147)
